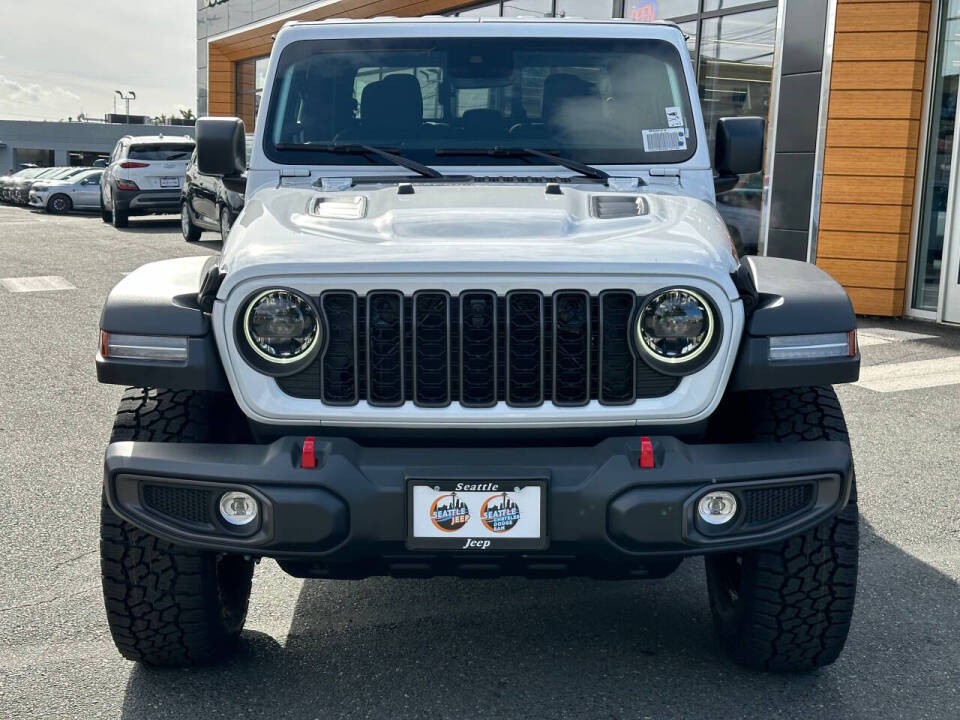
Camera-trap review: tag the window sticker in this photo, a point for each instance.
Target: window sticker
(665, 140)
(674, 117)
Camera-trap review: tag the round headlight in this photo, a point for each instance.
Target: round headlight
(675, 326)
(281, 326)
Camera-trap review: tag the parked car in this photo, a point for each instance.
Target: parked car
(144, 177)
(10, 184)
(52, 175)
(75, 191)
(431, 347)
(206, 204)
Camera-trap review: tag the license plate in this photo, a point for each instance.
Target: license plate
(476, 515)
(169, 182)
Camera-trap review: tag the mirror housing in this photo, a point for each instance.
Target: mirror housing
(221, 149)
(739, 149)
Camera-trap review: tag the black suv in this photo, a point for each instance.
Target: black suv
(206, 204)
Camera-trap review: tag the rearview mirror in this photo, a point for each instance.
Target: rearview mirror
(221, 150)
(739, 149)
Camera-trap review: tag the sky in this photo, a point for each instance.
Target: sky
(59, 58)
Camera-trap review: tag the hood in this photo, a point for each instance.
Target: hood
(475, 228)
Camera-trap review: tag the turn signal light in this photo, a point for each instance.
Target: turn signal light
(127, 185)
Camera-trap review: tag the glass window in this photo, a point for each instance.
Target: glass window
(603, 101)
(161, 151)
(593, 9)
(650, 10)
(709, 5)
(734, 73)
(529, 8)
(939, 166)
(251, 78)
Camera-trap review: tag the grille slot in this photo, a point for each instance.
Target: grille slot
(767, 505)
(478, 349)
(340, 376)
(385, 367)
(431, 349)
(617, 364)
(524, 349)
(185, 504)
(571, 348)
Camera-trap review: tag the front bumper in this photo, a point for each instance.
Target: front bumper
(348, 516)
(37, 200)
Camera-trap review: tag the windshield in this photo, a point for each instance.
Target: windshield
(157, 151)
(597, 101)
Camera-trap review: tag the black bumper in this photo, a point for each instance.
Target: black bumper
(348, 516)
(147, 202)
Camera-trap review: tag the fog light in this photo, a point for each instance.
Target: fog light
(238, 508)
(717, 508)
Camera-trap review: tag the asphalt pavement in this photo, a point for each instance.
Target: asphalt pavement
(384, 648)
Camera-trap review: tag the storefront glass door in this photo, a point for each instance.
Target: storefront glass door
(935, 273)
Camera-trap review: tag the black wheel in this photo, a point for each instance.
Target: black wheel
(788, 607)
(225, 224)
(191, 233)
(59, 204)
(168, 605)
(121, 218)
(105, 214)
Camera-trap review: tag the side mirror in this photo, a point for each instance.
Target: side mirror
(739, 149)
(221, 150)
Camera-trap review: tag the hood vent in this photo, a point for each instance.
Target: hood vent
(339, 208)
(613, 207)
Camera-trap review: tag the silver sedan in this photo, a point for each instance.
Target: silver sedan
(78, 192)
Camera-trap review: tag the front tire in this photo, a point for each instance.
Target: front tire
(788, 607)
(168, 605)
(191, 233)
(59, 205)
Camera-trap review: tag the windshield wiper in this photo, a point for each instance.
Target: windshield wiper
(354, 149)
(570, 164)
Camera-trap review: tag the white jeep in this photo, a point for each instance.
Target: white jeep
(479, 317)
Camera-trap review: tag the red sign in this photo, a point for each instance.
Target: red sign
(643, 11)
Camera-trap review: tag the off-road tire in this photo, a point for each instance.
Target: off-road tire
(190, 232)
(168, 605)
(59, 204)
(788, 607)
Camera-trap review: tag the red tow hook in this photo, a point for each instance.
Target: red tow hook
(308, 458)
(647, 461)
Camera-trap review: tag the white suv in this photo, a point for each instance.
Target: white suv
(144, 177)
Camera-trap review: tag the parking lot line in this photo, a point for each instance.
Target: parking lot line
(893, 377)
(39, 283)
(870, 336)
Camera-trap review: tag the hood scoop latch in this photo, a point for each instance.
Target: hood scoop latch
(615, 207)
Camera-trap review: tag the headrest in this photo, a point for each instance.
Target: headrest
(394, 103)
(563, 92)
(483, 121)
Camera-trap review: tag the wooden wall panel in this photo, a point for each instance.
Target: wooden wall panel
(870, 161)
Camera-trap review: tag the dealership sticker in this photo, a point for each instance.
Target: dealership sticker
(674, 117)
(500, 513)
(665, 140)
(449, 513)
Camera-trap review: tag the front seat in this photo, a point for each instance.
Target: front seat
(391, 109)
(572, 107)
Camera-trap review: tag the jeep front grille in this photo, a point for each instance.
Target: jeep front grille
(478, 349)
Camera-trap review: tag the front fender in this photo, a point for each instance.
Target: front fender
(793, 298)
(160, 299)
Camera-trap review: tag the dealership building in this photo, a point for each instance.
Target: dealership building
(860, 97)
